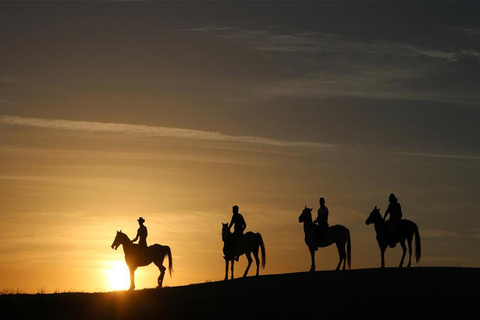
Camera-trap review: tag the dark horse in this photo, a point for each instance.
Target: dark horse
(337, 234)
(135, 256)
(249, 243)
(404, 230)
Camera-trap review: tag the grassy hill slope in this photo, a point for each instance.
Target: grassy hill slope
(416, 293)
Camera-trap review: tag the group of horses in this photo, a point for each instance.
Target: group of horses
(252, 243)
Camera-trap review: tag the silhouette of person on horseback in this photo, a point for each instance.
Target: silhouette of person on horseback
(239, 226)
(395, 211)
(322, 219)
(141, 233)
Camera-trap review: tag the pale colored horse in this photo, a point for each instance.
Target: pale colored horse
(337, 234)
(135, 256)
(404, 230)
(249, 243)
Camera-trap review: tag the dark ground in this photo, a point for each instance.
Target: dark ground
(416, 293)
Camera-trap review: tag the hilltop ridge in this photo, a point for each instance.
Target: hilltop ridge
(414, 293)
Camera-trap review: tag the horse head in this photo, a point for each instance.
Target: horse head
(374, 216)
(119, 239)
(306, 215)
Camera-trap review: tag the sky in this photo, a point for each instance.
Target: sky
(176, 111)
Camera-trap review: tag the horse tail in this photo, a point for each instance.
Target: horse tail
(349, 250)
(418, 247)
(262, 247)
(170, 261)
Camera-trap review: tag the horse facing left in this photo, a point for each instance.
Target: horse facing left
(249, 243)
(135, 257)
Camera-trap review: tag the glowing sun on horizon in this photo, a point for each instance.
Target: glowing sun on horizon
(118, 277)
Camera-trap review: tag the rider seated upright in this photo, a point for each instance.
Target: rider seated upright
(141, 234)
(322, 220)
(239, 226)
(395, 211)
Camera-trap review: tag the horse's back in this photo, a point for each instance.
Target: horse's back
(339, 229)
(408, 224)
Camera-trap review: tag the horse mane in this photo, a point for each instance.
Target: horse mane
(123, 235)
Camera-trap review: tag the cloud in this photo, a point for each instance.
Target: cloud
(284, 41)
(434, 155)
(166, 132)
(320, 64)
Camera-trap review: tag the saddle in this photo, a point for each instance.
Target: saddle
(233, 246)
(141, 251)
(391, 232)
(321, 233)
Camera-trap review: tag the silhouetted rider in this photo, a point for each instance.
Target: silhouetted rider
(238, 222)
(141, 233)
(322, 218)
(395, 211)
(239, 226)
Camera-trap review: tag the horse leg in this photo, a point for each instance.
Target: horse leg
(257, 260)
(382, 254)
(226, 268)
(404, 248)
(409, 241)
(233, 261)
(342, 255)
(312, 255)
(162, 274)
(132, 277)
(249, 258)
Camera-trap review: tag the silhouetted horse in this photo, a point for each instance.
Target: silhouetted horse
(249, 243)
(337, 234)
(404, 230)
(136, 256)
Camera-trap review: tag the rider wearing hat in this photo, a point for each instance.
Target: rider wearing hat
(141, 233)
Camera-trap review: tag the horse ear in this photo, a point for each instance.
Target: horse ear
(375, 208)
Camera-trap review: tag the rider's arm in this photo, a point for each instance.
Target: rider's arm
(230, 224)
(386, 213)
(138, 235)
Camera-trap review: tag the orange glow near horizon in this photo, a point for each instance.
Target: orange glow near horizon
(118, 276)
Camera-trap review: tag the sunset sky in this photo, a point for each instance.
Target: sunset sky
(176, 111)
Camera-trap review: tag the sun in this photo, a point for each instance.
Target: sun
(117, 275)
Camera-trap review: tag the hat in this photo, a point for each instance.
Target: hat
(141, 219)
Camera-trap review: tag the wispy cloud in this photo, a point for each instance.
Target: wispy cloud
(331, 64)
(434, 155)
(320, 42)
(166, 132)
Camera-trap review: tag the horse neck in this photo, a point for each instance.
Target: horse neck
(226, 236)
(379, 223)
(126, 243)
(308, 225)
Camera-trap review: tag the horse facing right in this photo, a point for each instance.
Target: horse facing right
(405, 230)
